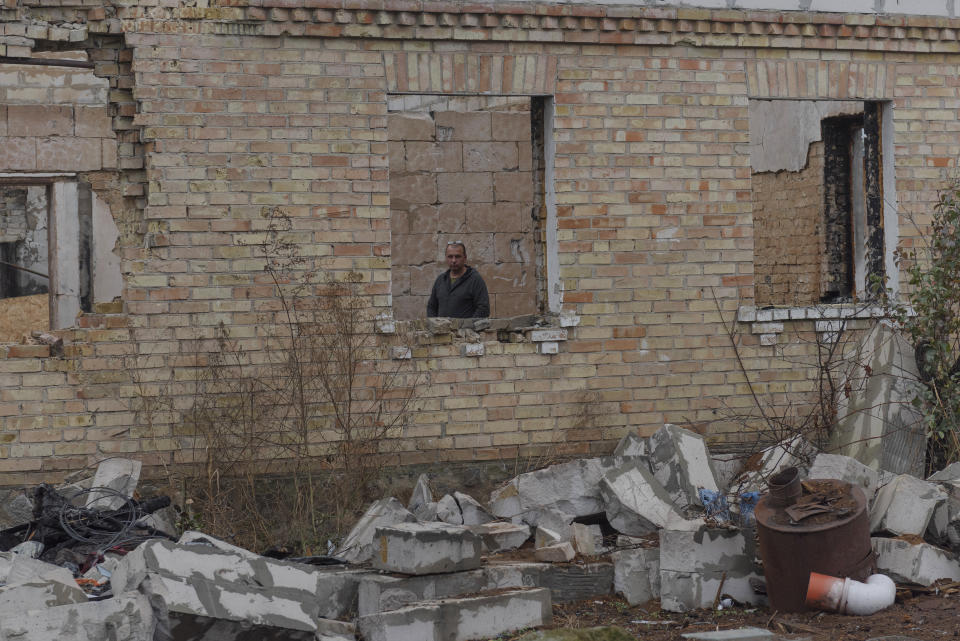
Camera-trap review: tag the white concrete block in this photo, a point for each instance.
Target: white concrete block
(636, 504)
(125, 617)
(472, 349)
(118, 474)
(908, 563)
(905, 506)
(682, 465)
(357, 547)
(845, 468)
(549, 347)
(472, 512)
(499, 536)
(636, 574)
(561, 552)
(547, 335)
(426, 548)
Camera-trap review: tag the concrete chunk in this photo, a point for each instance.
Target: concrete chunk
(587, 539)
(845, 468)
(636, 574)
(125, 617)
(118, 474)
(499, 536)
(473, 513)
(635, 503)
(632, 444)
(426, 548)
(682, 465)
(905, 506)
(572, 488)
(479, 617)
(566, 582)
(448, 511)
(421, 495)
(914, 563)
(20, 597)
(693, 564)
(382, 593)
(561, 552)
(357, 547)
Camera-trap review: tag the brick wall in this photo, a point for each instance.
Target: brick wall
(788, 233)
(223, 114)
(464, 176)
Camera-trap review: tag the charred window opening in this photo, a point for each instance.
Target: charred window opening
(824, 226)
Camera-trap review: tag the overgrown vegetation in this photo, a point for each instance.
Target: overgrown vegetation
(931, 320)
(291, 432)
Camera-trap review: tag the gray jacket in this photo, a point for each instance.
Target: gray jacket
(467, 298)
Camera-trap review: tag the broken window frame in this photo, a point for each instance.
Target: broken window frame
(542, 116)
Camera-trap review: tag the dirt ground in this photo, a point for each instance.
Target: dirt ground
(926, 617)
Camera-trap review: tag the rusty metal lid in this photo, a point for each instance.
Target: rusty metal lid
(847, 502)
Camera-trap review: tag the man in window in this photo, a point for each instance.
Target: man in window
(458, 292)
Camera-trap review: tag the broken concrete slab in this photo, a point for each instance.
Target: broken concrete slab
(16, 508)
(905, 506)
(793, 452)
(920, 563)
(587, 539)
(195, 537)
(500, 536)
(19, 568)
(694, 563)
(422, 495)
(949, 473)
(736, 634)
(448, 511)
(567, 582)
(877, 423)
(554, 520)
(634, 501)
(571, 488)
(636, 574)
(726, 468)
(426, 548)
(561, 552)
(632, 444)
(845, 468)
(125, 617)
(545, 536)
(382, 593)
(118, 474)
(357, 546)
(472, 512)
(604, 633)
(682, 465)
(19, 597)
(478, 617)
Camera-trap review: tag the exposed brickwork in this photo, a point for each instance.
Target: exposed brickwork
(788, 233)
(224, 113)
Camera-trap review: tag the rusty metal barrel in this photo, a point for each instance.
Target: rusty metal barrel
(791, 550)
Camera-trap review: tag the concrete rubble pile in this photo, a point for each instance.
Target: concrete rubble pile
(660, 519)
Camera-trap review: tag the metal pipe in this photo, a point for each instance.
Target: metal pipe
(23, 269)
(47, 62)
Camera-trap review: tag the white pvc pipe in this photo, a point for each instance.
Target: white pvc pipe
(847, 596)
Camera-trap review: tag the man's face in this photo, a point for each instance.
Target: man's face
(456, 259)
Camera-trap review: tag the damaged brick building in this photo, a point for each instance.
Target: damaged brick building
(638, 176)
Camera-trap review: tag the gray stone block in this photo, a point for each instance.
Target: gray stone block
(422, 495)
(357, 546)
(560, 552)
(118, 474)
(382, 593)
(499, 536)
(636, 574)
(845, 468)
(909, 563)
(682, 465)
(125, 617)
(448, 511)
(905, 506)
(567, 582)
(632, 444)
(634, 501)
(473, 513)
(571, 488)
(427, 548)
(464, 619)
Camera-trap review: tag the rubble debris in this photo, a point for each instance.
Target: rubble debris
(357, 546)
(905, 506)
(560, 552)
(125, 617)
(499, 536)
(635, 503)
(632, 444)
(682, 465)
(845, 468)
(478, 617)
(695, 566)
(920, 563)
(448, 511)
(605, 633)
(426, 548)
(636, 574)
(118, 474)
(877, 422)
(571, 488)
(472, 512)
